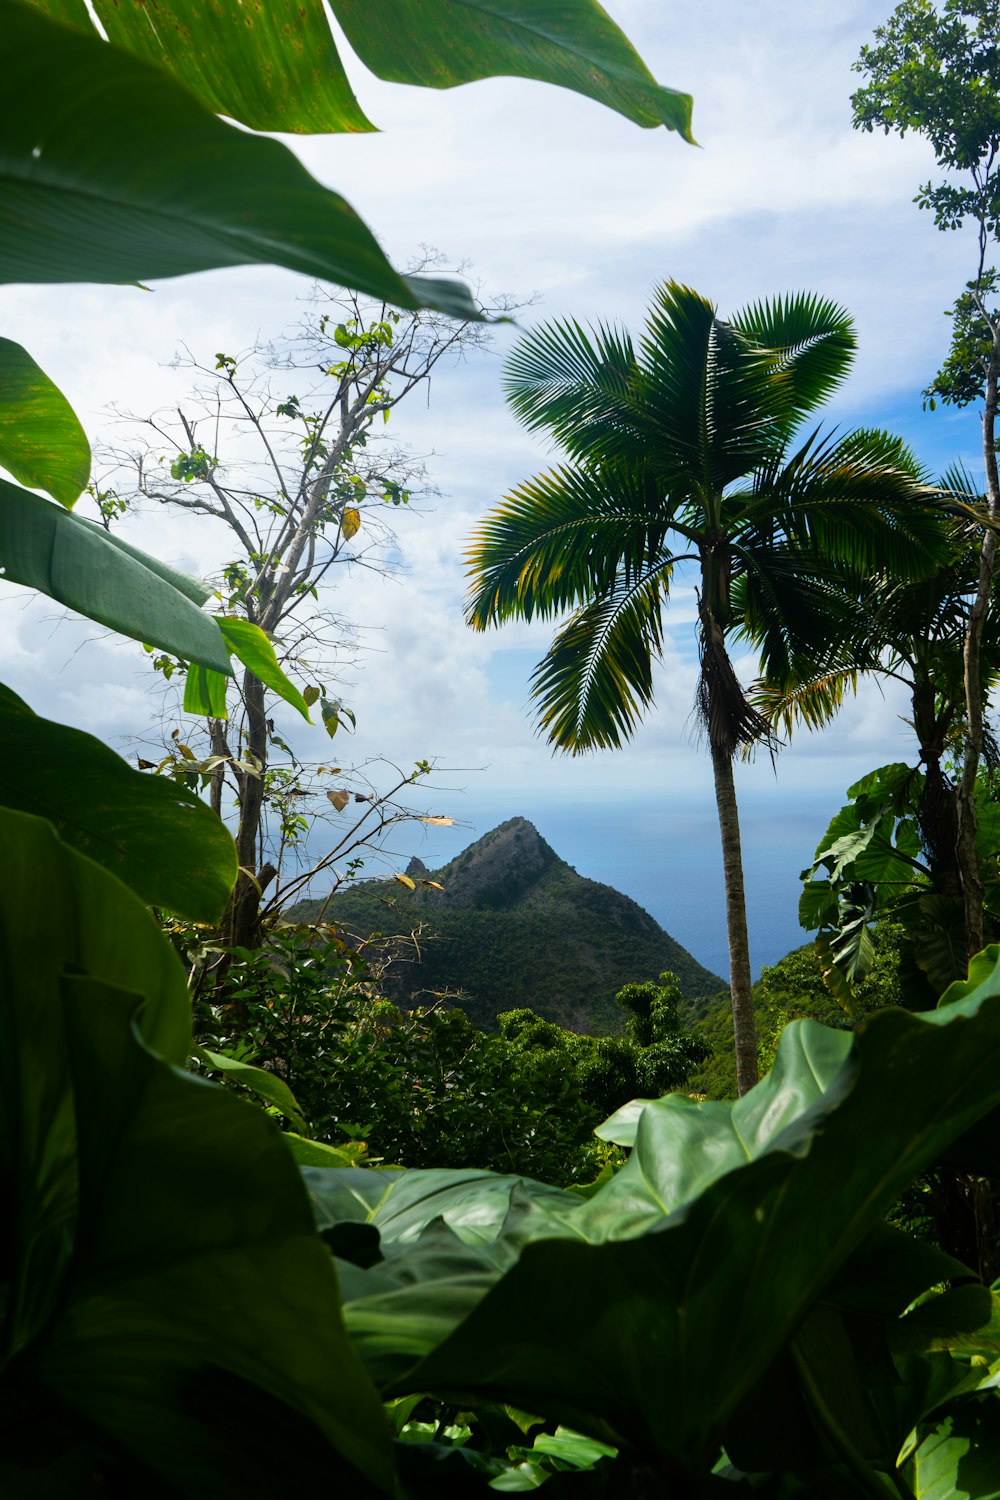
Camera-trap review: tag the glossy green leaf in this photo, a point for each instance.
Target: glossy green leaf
(959, 1459)
(205, 692)
(78, 564)
(200, 1329)
(575, 44)
(255, 651)
(152, 1217)
(159, 839)
(41, 441)
(445, 1238)
(111, 171)
(60, 914)
(317, 1153)
(274, 67)
(401, 1204)
(267, 1086)
(684, 1319)
(277, 69)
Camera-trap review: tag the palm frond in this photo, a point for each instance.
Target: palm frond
(802, 616)
(575, 384)
(860, 498)
(706, 399)
(812, 341)
(595, 682)
(811, 704)
(561, 538)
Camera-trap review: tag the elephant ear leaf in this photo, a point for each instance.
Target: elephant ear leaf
(41, 441)
(575, 45)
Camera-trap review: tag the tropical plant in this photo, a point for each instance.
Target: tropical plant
(936, 71)
(876, 862)
(186, 1339)
(298, 485)
(728, 1312)
(686, 449)
(301, 1024)
(912, 633)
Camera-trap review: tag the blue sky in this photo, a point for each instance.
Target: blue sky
(546, 193)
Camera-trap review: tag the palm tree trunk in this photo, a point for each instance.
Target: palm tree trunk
(740, 984)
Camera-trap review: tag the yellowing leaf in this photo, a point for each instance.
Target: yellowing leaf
(339, 799)
(435, 883)
(411, 885)
(439, 822)
(350, 521)
(310, 694)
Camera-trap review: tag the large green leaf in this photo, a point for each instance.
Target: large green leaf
(78, 564)
(41, 441)
(111, 171)
(444, 1238)
(278, 69)
(165, 1278)
(569, 42)
(682, 1321)
(199, 1286)
(401, 1204)
(60, 914)
(255, 651)
(157, 837)
(268, 1086)
(959, 1459)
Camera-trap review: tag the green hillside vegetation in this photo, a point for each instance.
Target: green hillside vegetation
(514, 926)
(790, 990)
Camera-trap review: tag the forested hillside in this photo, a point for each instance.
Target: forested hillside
(514, 925)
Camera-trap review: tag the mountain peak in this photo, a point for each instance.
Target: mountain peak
(499, 869)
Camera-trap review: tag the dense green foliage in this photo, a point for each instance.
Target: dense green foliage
(514, 926)
(790, 1340)
(427, 1088)
(792, 989)
(876, 862)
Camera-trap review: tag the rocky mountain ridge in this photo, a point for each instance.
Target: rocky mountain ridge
(508, 923)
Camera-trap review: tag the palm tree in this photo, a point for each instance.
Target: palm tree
(682, 450)
(914, 633)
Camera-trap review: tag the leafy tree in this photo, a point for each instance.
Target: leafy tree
(685, 448)
(912, 633)
(134, 1192)
(299, 485)
(425, 1088)
(935, 70)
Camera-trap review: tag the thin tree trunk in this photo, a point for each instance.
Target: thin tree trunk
(740, 984)
(240, 925)
(972, 882)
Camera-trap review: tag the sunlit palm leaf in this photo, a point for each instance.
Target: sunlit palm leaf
(576, 385)
(707, 398)
(798, 621)
(813, 343)
(595, 682)
(861, 499)
(559, 539)
(810, 704)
